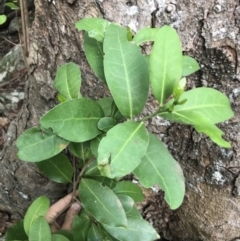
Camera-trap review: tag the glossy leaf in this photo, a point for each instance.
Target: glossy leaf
(126, 202)
(120, 152)
(81, 150)
(95, 143)
(165, 63)
(57, 168)
(159, 167)
(16, 232)
(137, 229)
(209, 102)
(74, 120)
(59, 237)
(81, 225)
(96, 27)
(68, 81)
(38, 208)
(201, 124)
(145, 35)
(39, 230)
(102, 203)
(35, 140)
(94, 233)
(190, 65)
(126, 71)
(130, 189)
(106, 123)
(94, 54)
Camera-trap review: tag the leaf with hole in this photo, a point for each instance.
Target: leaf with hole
(130, 189)
(120, 152)
(39, 230)
(38, 208)
(68, 81)
(190, 65)
(96, 27)
(102, 203)
(126, 71)
(57, 168)
(45, 143)
(137, 229)
(165, 63)
(94, 53)
(159, 167)
(74, 120)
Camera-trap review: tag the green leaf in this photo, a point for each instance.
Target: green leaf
(209, 102)
(57, 168)
(179, 89)
(38, 208)
(159, 167)
(66, 233)
(145, 35)
(59, 237)
(102, 203)
(74, 120)
(12, 5)
(94, 233)
(94, 53)
(35, 145)
(39, 230)
(81, 150)
(96, 27)
(134, 213)
(95, 143)
(130, 189)
(106, 123)
(190, 65)
(126, 201)
(126, 71)
(137, 229)
(106, 104)
(81, 225)
(68, 81)
(201, 124)
(16, 232)
(3, 18)
(165, 63)
(120, 152)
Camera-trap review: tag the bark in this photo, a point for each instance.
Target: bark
(209, 32)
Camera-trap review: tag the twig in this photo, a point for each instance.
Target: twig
(9, 41)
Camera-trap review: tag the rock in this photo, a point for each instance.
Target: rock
(15, 25)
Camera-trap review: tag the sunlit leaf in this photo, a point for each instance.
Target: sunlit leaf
(159, 167)
(137, 229)
(130, 189)
(57, 168)
(102, 203)
(165, 63)
(120, 152)
(38, 208)
(96, 27)
(39, 230)
(190, 65)
(35, 140)
(74, 120)
(16, 232)
(68, 81)
(94, 53)
(3, 18)
(145, 35)
(126, 71)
